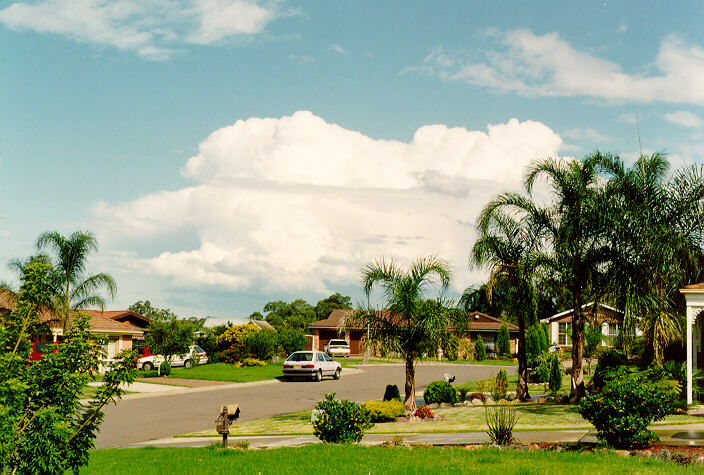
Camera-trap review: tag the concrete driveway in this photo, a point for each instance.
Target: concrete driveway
(142, 417)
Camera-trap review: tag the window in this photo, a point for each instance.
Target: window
(320, 357)
(562, 333)
(613, 329)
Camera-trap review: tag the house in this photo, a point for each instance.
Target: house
(610, 319)
(211, 322)
(115, 325)
(122, 316)
(480, 326)
(694, 298)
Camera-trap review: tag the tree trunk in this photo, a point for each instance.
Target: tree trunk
(522, 389)
(577, 389)
(410, 401)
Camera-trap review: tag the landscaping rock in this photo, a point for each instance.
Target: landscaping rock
(440, 418)
(534, 447)
(664, 454)
(476, 395)
(622, 453)
(541, 400)
(434, 405)
(414, 419)
(698, 460)
(473, 447)
(477, 402)
(457, 404)
(402, 419)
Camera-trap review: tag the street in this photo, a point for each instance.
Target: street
(142, 417)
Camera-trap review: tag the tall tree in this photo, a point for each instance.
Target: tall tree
(509, 248)
(656, 230)
(297, 314)
(76, 289)
(325, 306)
(411, 324)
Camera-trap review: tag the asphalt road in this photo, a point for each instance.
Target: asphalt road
(142, 417)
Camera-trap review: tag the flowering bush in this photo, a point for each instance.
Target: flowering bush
(423, 412)
(249, 362)
(340, 421)
(385, 411)
(627, 404)
(232, 343)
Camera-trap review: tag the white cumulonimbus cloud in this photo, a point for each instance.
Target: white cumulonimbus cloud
(546, 65)
(151, 28)
(296, 203)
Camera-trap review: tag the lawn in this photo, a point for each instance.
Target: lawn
(459, 419)
(352, 459)
(227, 372)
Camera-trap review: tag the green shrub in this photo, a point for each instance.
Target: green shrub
(501, 420)
(392, 392)
(544, 337)
(503, 344)
(440, 391)
(164, 369)
(147, 374)
(340, 421)
(479, 350)
(462, 394)
(499, 385)
(555, 380)
(290, 340)
(260, 345)
(607, 362)
(385, 411)
(627, 404)
(540, 372)
(534, 346)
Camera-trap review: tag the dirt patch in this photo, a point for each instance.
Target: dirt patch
(189, 383)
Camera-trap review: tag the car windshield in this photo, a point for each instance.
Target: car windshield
(338, 342)
(301, 357)
(198, 349)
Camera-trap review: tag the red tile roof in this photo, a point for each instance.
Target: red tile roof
(699, 286)
(477, 321)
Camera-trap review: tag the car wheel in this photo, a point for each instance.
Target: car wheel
(318, 375)
(337, 374)
(147, 366)
(188, 364)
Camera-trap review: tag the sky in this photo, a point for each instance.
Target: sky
(228, 153)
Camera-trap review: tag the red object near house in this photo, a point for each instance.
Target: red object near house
(39, 349)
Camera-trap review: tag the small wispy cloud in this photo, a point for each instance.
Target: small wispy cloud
(589, 134)
(301, 59)
(685, 119)
(154, 29)
(337, 48)
(533, 65)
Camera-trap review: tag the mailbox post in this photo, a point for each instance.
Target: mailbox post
(228, 414)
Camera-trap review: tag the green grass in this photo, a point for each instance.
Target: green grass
(459, 419)
(227, 372)
(354, 459)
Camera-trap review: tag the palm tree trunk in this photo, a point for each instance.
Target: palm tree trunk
(577, 389)
(410, 388)
(522, 389)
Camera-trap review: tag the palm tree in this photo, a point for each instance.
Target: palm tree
(75, 290)
(657, 233)
(509, 248)
(410, 325)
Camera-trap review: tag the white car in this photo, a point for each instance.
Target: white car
(311, 364)
(195, 356)
(337, 348)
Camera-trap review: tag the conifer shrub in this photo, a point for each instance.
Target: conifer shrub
(479, 350)
(392, 392)
(499, 385)
(503, 345)
(555, 380)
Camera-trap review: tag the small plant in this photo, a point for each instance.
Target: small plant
(462, 394)
(440, 391)
(249, 362)
(627, 404)
(391, 392)
(481, 385)
(242, 444)
(164, 369)
(501, 420)
(340, 421)
(424, 412)
(397, 440)
(385, 411)
(479, 350)
(499, 385)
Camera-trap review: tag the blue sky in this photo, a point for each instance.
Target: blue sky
(229, 153)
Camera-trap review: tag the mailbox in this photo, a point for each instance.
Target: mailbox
(228, 414)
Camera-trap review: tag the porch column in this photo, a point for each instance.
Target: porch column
(690, 343)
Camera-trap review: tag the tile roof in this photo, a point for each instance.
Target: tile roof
(97, 322)
(478, 321)
(699, 286)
